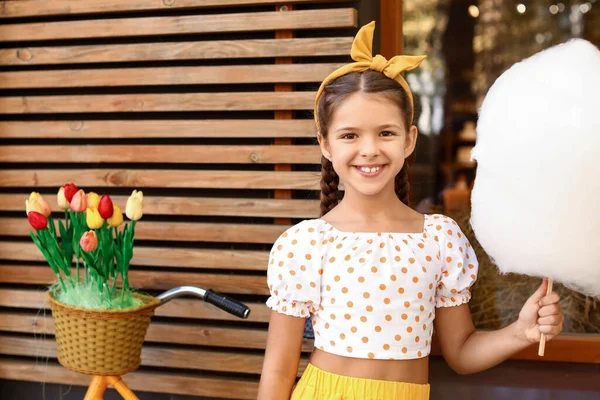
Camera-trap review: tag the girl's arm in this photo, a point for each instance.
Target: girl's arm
(280, 368)
(468, 351)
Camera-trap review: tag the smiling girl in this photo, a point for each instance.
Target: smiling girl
(376, 276)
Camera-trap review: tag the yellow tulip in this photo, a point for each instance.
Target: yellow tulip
(93, 218)
(62, 201)
(117, 217)
(135, 202)
(93, 200)
(29, 207)
(37, 203)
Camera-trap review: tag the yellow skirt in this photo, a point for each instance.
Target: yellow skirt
(317, 384)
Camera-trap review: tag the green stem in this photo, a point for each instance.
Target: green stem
(77, 265)
(62, 284)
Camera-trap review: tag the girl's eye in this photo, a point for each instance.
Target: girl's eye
(387, 133)
(348, 136)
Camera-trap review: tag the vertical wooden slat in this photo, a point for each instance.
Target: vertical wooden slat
(391, 38)
(283, 114)
(390, 31)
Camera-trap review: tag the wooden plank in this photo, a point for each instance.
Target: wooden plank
(208, 360)
(243, 101)
(574, 348)
(189, 334)
(165, 154)
(175, 231)
(121, 129)
(231, 74)
(148, 280)
(161, 257)
(201, 206)
(31, 8)
(177, 308)
(207, 50)
(179, 25)
(140, 179)
(179, 383)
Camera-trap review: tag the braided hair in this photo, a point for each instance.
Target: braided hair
(330, 181)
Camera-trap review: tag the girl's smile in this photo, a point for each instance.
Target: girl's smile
(370, 171)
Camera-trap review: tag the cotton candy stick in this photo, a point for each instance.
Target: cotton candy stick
(542, 347)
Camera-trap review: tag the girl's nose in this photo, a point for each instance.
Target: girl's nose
(369, 149)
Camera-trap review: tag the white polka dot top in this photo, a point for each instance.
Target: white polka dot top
(371, 295)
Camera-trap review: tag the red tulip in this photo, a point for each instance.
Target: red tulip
(89, 241)
(37, 220)
(105, 208)
(70, 190)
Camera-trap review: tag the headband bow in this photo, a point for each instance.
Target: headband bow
(362, 54)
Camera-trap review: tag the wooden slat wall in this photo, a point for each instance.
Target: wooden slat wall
(205, 105)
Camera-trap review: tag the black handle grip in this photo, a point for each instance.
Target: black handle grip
(227, 304)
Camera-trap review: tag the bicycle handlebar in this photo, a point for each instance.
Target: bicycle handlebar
(225, 303)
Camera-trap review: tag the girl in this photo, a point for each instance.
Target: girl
(376, 276)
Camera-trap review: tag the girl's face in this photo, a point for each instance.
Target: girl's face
(367, 143)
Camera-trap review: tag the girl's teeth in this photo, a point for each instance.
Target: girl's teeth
(367, 169)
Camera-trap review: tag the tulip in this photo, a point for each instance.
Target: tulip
(133, 210)
(93, 218)
(37, 203)
(70, 190)
(37, 220)
(79, 201)
(31, 207)
(61, 199)
(93, 200)
(88, 241)
(117, 217)
(105, 207)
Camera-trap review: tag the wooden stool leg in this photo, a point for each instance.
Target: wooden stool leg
(97, 388)
(121, 387)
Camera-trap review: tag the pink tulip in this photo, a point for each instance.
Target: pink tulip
(89, 241)
(79, 201)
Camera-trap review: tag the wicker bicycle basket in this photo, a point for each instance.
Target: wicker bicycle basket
(101, 342)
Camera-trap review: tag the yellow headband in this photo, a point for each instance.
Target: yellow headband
(362, 53)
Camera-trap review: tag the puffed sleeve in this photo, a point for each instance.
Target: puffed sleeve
(294, 271)
(459, 264)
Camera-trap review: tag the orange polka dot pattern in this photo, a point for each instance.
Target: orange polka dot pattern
(371, 295)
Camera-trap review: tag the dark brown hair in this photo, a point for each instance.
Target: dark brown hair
(334, 94)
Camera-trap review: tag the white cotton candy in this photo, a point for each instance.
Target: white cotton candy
(536, 198)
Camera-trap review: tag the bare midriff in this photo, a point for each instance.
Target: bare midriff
(408, 371)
